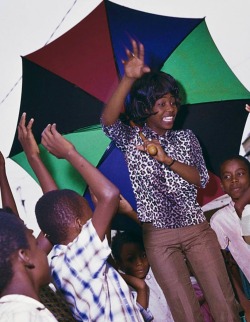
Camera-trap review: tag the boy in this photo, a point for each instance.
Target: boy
(24, 269)
(79, 256)
(227, 223)
(235, 181)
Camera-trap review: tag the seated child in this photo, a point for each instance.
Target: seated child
(129, 254)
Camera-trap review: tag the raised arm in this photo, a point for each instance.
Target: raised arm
(8, 200)
(31, 149)
(134, 68)
(106, 193)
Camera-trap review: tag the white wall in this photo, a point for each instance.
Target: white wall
(28, 25)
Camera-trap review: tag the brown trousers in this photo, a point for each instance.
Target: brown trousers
(166, 250)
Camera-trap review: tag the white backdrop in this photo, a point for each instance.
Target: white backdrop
(28, 25)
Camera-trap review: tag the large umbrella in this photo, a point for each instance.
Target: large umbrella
(68, 80)
(213, 107)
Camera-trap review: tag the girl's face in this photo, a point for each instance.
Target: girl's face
(133, 260)
(235, 178)
(165, 110)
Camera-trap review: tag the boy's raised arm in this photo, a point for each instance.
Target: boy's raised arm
(106, 193)
(31, 149)
(47, 183)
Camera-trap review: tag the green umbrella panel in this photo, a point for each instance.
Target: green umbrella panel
(91, 142)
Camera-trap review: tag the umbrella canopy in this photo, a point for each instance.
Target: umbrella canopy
(213, 102)
(69, 80)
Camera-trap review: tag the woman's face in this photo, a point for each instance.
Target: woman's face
(165, 110)
(134, 260)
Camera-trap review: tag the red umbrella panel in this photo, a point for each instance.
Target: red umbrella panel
(67, 81)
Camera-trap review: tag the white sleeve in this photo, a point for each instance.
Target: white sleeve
(245, 221)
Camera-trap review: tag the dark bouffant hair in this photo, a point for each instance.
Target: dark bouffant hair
(56, 209)
(13, 236)
(122, 238)
(237, 157)
(146, 91)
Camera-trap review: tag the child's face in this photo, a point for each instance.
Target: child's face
(39, 259)
(166, 110)
(133, 260)
(235, 178)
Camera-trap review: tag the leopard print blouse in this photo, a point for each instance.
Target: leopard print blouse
(162, 196)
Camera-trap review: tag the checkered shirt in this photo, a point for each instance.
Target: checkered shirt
(93, 288)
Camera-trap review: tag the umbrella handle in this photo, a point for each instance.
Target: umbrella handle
(152, 149)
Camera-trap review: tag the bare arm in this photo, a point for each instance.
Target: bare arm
(106, 193)
(8, 200)
(126, 209)
(31, 149)
(134, 68)
(141, 288)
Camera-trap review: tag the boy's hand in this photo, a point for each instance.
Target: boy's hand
(134, 66)
(55, 143)
(26, 137)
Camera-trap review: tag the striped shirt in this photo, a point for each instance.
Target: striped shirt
(93, 288)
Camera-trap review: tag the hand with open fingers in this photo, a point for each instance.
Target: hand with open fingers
(26, 137)
(55, 143)
(134, 66)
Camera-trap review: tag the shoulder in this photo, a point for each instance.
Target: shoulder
(220, 215)
(184, 133)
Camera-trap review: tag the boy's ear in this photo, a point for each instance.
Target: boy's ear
(78, 223)
(24, 257)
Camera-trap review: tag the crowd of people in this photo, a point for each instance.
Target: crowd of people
(180, 268)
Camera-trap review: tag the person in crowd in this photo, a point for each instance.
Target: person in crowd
(227, 221)
(94, 290)
(47, 296)
(166, 167)
(24, 269)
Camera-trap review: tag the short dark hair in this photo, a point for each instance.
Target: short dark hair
(56, 209)
(122, 238)
(146, 91)
(13, 236)
(236, 157)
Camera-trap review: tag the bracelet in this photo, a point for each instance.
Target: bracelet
(170, 165)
